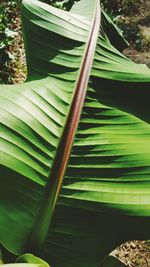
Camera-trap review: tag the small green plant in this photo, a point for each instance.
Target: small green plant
(7, 36)
(61, 4)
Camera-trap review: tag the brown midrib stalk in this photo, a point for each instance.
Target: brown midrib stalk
(64, 149)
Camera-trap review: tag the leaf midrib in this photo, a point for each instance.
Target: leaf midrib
(61, 159)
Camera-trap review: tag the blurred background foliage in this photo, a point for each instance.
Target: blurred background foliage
(132, 17)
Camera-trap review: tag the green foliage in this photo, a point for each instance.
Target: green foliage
(31, 259)
(27, 260)
(61, 4)
(7, 35)
(106, 182)
(58, 4)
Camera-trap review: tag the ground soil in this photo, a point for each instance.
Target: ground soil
(133, 254)
(136, 26)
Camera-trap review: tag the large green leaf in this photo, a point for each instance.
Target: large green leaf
(27, 260)
(105, 197)
(31, 259)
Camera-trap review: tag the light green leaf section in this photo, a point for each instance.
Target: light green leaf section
(113, 65)
(33, 114)
(30, 258)
(27, 260)
(21, 265)
(105, 199)
(106, 189)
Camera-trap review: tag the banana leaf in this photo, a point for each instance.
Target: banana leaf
(27, 260)
(75, 141)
